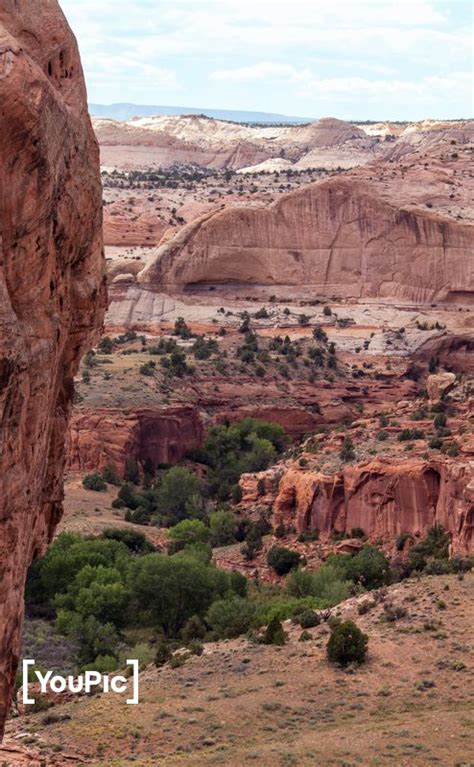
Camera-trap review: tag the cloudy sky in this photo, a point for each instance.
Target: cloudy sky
(374, 59)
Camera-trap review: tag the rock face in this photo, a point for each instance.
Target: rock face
(439, 384)
(383, 498)
(100, 438)
(52, 285)
(338, 236)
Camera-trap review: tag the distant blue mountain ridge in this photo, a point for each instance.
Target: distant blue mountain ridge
(127, 111)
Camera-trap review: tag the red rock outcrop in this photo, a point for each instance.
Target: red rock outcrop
(130, 228)
(100, 438)
(338, 235)
(52, 285)
(383, 498)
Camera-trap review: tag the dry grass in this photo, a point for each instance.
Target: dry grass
(410, 705)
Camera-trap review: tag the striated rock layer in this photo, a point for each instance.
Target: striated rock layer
(52, 285)
(383, 498)
(339, 236)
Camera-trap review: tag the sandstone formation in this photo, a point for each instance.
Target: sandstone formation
(338, 236)
(125, 227)
(199, 140)
(439, 384)
(384, 498)
(51, 285)
(100, 438)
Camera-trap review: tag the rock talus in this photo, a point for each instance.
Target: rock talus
(52, 285)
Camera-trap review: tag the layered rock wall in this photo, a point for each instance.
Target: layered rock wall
(100, 438)
(383, 498)
(338, 235)
(52, 285)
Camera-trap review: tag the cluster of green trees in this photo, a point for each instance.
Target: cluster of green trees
(96, 589)
(171, 496)
(100, 591)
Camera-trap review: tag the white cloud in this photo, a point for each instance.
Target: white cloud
(308, 85)
(322, 49)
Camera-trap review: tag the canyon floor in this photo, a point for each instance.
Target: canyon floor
(411, 704)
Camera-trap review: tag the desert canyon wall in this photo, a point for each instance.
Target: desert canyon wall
(338, 236)
(52, 285)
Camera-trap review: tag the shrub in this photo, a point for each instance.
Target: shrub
(187, 532)
(393, 612)
(347, 452)
(347, 644)
(110, 476)
(94, 482)
(282, 560)
(274, 633)
(439, 420)
(327, 311)
(409, 434)
(136, 542)
(434, 547)
(231, 617)
(319, 335)
(222, 528)
(369, 567)
(327, 584)
(148, 368)
(357, 532)
(132, 471)
(181, 329)
(401, 540)
(308, 619)
(309, 535)
(193, 629)
(195, 647)
(163, 654)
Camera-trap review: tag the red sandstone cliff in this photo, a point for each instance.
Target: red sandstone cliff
(107, 437)
(383, 498)
(52, 288)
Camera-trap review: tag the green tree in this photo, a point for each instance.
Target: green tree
(369, 567)
(274, 633)
(136, 542)
(231, 617)
(222, 526)
(178, 494)
(188, 532)
(172, 589)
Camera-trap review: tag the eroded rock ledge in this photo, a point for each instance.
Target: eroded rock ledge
(52, 285)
